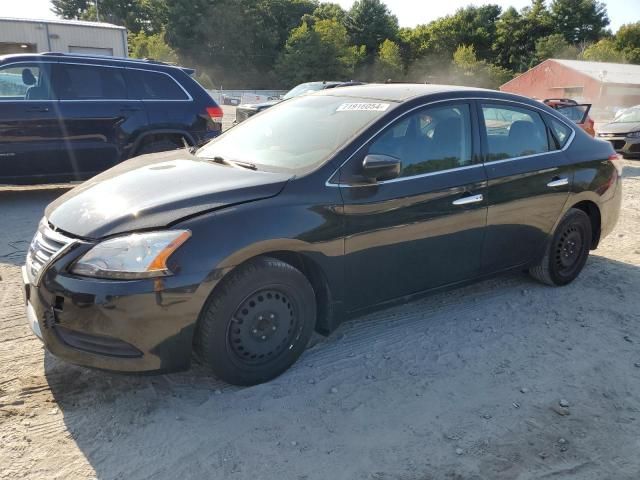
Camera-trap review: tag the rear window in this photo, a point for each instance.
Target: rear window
(146, 85)
(560, 131)
(88, 82)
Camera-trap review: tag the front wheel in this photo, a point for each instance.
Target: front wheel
(257, 324)
(567, 251)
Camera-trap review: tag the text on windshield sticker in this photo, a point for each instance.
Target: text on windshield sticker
(363, 107)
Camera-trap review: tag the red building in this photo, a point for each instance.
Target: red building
(606, 85)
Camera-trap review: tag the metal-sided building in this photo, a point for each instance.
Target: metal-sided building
(68, 36)
(600, 83)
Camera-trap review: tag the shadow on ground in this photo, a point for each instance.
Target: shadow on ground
(413, 383)
(20, 211)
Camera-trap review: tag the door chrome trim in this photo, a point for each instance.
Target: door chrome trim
(457, 99)
(561, 182)
(468, 200)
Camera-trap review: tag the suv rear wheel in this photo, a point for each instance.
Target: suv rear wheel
(567, 251)
(158, 145)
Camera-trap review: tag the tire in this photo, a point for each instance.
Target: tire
(567, 252)
(157, 146)
(241, 331)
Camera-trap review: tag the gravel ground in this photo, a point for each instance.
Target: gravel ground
(505, 379)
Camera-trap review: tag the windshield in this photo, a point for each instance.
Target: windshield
(297, 135)
(302, 89)
(628, 116)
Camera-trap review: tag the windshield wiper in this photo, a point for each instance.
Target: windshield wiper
(233, 163)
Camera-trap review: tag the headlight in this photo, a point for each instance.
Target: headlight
(634, 134)
(140, 255)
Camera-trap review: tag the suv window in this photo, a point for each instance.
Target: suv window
(430, 140)
(147, 85)
(513, 132)
(25, 81)
(88, 82)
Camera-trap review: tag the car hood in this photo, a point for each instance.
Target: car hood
(619, 127)
(257, 106)
(156, 190)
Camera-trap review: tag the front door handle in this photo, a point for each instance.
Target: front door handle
(37, 109)
(558, 182)
(469, 199)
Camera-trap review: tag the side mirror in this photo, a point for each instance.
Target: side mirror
(378, 168)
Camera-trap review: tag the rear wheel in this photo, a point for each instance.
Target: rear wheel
(567, 251)
(256, 325)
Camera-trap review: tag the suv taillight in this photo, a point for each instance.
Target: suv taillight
(215, 114)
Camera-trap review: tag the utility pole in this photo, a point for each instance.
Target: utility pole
(97, 12)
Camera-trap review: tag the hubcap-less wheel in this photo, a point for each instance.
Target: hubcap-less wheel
(569, 249)
(263, 326)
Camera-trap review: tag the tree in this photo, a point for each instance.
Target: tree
(369, 23)
(555, 46)
(153, 47)
(580, 21)
(627, 40)
(149, 16)
(328, 11)
(389, 61)
(473, 72)
(468, 26)
(317, 51)
(604, 51)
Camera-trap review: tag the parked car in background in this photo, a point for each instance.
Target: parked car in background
(624, 132)
(314, 211)
(577, 112)
(247, 110)
(67, 117)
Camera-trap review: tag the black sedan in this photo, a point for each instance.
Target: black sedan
(323, 207)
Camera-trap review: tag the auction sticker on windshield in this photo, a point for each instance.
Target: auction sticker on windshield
(359, 107)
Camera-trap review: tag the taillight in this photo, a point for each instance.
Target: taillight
(617, 162)
(215, 114)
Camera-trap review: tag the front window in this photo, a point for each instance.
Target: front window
(629, 116)
(297, 135)
(24, 82)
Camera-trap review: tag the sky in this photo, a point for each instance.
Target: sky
(409, 12)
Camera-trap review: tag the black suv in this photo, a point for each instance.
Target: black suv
(67, 117)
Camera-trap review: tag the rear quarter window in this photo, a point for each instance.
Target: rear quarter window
(147, 85)
(560, 131)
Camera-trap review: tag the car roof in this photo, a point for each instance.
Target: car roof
(99, 59)
(401, 92)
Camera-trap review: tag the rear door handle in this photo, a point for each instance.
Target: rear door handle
(469, 199)
(558, 182)
(129, 109)
(37, 109)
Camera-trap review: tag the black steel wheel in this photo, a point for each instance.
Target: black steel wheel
(263, 326)
(257, 322)
(567, 251)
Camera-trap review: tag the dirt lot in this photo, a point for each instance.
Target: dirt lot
(460, 385)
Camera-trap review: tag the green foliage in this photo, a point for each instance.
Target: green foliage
(469, 70)
(555, 46)
(137, 15)
(517, 34)
(318, 50)
(388, 64)
(328, 11)
(627, 40)
(277, 43)
(152, 46)
(580, 21)
(369, 23)
(605, 50)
